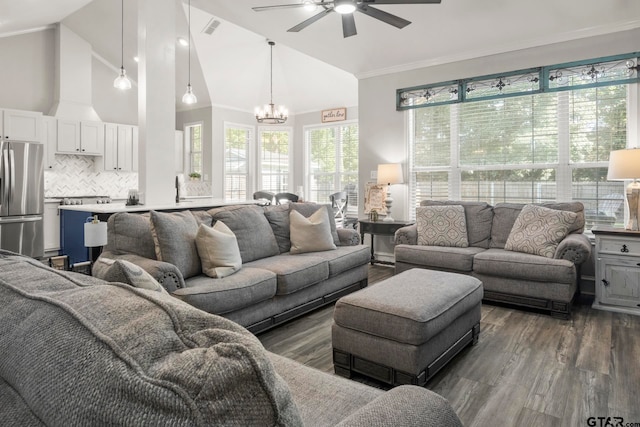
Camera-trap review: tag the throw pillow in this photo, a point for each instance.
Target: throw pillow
(218, 250)
(308, 208)
(127, 272)
(442, 226)
(174, 235)
(312, 234)
(539, 230)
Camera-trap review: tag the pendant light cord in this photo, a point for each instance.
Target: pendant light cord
(189, 37)
(271, 84)
(122, 34)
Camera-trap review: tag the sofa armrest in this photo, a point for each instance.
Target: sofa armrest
(165, 273)
(407, 235)
(348, 237)
(575, 248)
(405, 406)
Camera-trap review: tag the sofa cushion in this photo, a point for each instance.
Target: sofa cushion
(454, 259)
(246, 287)
(218, 250)
(278, 217)
(539, 230)
(343, 258)
(294, 272)
(518, 265)
(123, 271)
(311, 234)
(251, 228)
(478, 215)
(128, 232)
(307, 209)
(505, 215)
(111, 354)
(442, 226)
(174, 235)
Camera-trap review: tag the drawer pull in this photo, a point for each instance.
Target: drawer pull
(605, 282)
(624, 249)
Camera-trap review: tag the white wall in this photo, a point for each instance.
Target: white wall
(27, 71)
(112, 105)
(383, 132)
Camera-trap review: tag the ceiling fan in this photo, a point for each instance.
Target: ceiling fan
(346, 8)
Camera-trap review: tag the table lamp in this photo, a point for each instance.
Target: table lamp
(623, 165)
(389, 173)
(95, 236)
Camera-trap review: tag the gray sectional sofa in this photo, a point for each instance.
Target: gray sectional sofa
(507, 276)
(79, 351)
(272, 286)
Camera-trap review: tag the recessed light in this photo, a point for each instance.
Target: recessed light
(183, 42)
(135, 58)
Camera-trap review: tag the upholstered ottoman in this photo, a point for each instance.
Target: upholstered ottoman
(404, 329)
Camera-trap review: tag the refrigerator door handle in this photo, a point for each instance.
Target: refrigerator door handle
(5, 183)
(13, 220)
(12, 177)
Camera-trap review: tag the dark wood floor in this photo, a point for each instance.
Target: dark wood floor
(528, 369)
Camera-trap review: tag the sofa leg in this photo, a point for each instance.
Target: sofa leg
(560, 310)
(476, 334)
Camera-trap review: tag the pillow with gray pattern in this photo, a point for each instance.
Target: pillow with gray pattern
(442, 226)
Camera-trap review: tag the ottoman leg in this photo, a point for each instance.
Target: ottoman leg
(342, 363)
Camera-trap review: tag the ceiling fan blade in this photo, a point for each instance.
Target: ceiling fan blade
(377, 2)
(304, 24)
(383, 16)
(348, 25)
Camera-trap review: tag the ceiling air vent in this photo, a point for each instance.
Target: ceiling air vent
(211, 26)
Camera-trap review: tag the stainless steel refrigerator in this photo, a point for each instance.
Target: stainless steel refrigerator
(22, 197)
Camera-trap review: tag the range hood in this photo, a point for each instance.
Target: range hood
(72, 91)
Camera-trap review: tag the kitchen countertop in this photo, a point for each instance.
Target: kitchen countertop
(109, 208)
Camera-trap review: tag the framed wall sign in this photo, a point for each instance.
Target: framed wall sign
(374, 195)
(334, 115)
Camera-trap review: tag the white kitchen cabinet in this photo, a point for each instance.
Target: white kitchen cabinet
(49, 135)
(80, 137)
(118, 148)
(51, 222)
(617, 270)
(18, 125)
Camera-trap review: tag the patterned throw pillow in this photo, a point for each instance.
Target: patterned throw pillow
(442, 226)
(539, 230)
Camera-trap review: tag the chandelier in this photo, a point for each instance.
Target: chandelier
(269, 113)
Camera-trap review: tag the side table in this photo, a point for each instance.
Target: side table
(617, 256)
(379, 228)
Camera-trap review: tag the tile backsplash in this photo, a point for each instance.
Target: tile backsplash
(73, 176)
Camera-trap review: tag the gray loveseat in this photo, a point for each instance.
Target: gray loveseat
(271, 287)
(79, 351)
(507, 276)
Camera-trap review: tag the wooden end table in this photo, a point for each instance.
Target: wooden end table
(380, 228)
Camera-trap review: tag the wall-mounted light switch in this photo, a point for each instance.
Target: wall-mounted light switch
(374, 174)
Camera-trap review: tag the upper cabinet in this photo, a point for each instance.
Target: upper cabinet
(49, 136)
(120, 149)
(80, 137)
(16, 125)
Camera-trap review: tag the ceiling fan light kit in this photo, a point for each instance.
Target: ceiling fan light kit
(346, 9)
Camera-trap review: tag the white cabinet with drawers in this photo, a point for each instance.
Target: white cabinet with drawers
(617, 270)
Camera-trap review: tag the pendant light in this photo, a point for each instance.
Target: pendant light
(122, 82)
(189, 97)
(269, 114)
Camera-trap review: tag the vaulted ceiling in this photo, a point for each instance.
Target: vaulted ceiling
(317, 68)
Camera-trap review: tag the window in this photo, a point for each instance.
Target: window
(275, 166)
(522, 149)
(193, 135)
(237, 146)
(332, 162)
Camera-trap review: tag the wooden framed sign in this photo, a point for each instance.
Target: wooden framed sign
(334, 115)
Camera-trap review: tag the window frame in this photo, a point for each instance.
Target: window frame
(188, 147)
(258, 158)
(352, 207)
(250, 166)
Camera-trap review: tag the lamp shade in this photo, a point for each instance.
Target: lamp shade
(624, 164)
(95, 234)
(390, 173)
